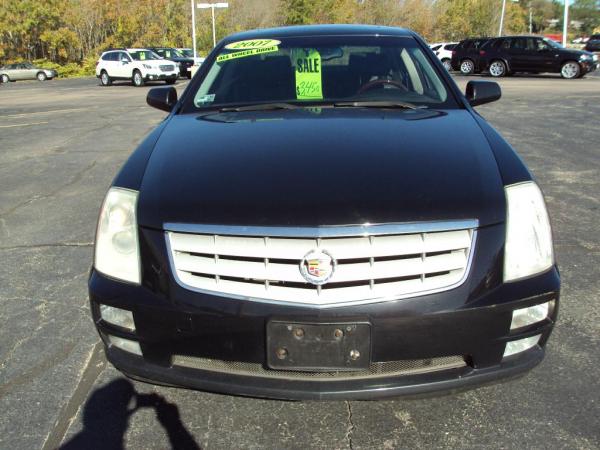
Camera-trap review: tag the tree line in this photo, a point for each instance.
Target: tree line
(76, 31)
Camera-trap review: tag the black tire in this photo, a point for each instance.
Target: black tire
(447, 64)
(498, 68)
(137, 79)
(570, 70)
(170, 81)
(467, 67)
(105, 80)
(41, 76)
(5, 78)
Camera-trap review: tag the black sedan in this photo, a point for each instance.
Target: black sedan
(323, 215)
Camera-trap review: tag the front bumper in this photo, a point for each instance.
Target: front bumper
(154, 76)
(588, 66)
(470, 322)
(441, 381)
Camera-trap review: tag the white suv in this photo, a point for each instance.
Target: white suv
(443, 50)
(136, 64)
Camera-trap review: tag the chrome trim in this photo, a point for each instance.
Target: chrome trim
(210, 229)
(366, 229)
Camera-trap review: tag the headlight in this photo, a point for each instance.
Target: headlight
(147, 66)
(528, 248)
(117, 251)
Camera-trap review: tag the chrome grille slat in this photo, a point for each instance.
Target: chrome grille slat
(369, 268)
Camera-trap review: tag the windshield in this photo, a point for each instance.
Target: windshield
(169, 53)
(552, 43)
(187, 52)
(322, 70)
(143, 55)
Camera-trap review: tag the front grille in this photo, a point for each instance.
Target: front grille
(369, 268)
(375, 370)
(167, 68)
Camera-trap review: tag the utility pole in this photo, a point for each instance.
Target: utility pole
(212, 6)
(530, 20)
(565, 24)
(502, 17)
(194, 29)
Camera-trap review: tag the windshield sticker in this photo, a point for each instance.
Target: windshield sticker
(208, 98)
(243, 53)
(308, 74)
(252, 43)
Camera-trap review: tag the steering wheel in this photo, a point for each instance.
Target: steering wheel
(371, 84)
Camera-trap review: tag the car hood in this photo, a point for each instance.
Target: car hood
(321, 167)
(574, 52)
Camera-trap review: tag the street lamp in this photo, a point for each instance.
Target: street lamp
(502, 15)
(212, 6)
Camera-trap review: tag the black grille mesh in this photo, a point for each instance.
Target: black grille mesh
(377, 369)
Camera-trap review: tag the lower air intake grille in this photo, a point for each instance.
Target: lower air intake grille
(375, 370)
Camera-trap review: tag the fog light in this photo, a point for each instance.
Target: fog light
(520, 345)
(530, 315)
(126, 344)
(117, 316)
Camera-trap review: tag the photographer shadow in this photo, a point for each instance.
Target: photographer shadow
(106, 418)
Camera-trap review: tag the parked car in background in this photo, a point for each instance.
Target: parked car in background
(136, 64)
(189, 53)
(534, 54)
(184, 63)
(25, 71)
(593, 43)
(465, 56)
(443, 51)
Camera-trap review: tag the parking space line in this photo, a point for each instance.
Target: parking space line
(22, 124)
(45, 112)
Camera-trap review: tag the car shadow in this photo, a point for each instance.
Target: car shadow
(539, 76)
(106, 417)
(148, 84)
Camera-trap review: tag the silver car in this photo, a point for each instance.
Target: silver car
(25, 71)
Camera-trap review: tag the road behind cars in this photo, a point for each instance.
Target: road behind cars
(61, 143)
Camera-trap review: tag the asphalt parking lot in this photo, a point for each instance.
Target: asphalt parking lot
(61, 143)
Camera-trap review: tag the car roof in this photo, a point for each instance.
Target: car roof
(319, 30)
(519, 36)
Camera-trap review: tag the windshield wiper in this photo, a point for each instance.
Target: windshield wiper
(375, 104)
(259, 107)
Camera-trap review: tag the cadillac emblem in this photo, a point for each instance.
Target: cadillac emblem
(317, 266)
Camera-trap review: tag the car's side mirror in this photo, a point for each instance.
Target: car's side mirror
(125, 61)
(480, 92)
(163, 98)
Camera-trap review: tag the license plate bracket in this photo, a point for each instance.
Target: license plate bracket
(318, 347)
